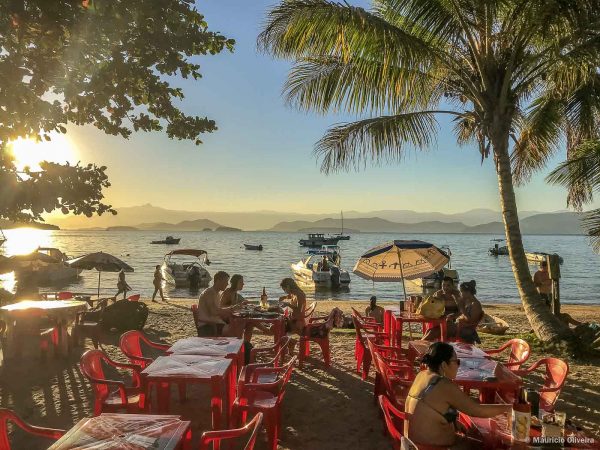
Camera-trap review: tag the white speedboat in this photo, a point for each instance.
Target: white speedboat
(180, 267)
(538, 257)
(51, 269)
(310, 271)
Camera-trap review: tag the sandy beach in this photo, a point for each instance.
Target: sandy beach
(331, 409)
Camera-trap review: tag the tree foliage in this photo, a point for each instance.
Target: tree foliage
(108, 63)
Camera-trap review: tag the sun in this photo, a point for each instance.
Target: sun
(29, 153)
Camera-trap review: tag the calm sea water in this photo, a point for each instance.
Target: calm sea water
(580, 281)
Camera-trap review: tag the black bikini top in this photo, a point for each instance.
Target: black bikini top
(450, 415)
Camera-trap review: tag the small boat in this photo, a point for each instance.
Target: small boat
(310, 272)
(492, 325)
(498, 249)
(181, 272)
(317, 240)
(169, 240)
(341, 235)
(538, 257)
(258, 247)
(46, 266)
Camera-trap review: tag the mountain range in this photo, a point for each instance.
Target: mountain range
(139, 216)
(148, 217)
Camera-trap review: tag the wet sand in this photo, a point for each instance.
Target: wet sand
(322, 409)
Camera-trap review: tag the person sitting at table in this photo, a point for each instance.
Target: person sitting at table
(374, 311)
(213, 319)
(465, 325)
(434, 401)
(295, 299)
(231, 296)
(449, 294)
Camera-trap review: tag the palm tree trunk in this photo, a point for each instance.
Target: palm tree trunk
(544, 323)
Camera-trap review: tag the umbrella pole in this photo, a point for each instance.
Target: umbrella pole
(402, 273)
(99, 273)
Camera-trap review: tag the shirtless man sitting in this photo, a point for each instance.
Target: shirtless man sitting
(450, 295)
(213, 319)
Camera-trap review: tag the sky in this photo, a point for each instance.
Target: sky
(261, 156)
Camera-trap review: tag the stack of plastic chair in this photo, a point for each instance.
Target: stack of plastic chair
(256, 397)
(361, 350)
(394, 357)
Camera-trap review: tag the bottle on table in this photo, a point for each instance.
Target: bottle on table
(521, 418)
(264, 303)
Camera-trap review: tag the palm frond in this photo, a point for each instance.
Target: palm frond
(377, 140)
(539, 138)
(580, 174)
(297, 29)
(591, 224)
(360, 86)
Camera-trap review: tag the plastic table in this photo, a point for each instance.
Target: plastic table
(487, 376)
(60, 312)
(127, 432)
(495, 433)
(224, 347)
(394, 320)
(417, 349)
(255, 317)
(187, 369)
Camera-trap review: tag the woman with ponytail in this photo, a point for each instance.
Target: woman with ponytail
(434, 402)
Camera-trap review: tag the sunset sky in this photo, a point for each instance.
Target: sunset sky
(261, 156)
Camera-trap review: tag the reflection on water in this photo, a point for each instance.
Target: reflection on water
(495, 282)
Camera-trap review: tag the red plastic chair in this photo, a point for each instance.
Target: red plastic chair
(131, 346)
(394, 357)
(366, 319)
(519, 353)
(554, 380)
(129, 398)
(64, 295)
(7, 415)
(361, 351)
(266, 398)
(252, 427)
(278, 352)
(325, 323)
(247, 372)
(395, 380)
(134, 298)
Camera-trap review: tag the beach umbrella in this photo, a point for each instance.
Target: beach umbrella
(33, 259)
(400, 260)
(102, 262)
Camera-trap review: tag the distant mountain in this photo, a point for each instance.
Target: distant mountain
(186, 225)
(122, 228)
(553, 223)
(155, 218)
(327, 230)
(227, 229)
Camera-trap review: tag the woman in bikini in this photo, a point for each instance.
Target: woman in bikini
(295, 300)
(434, 401)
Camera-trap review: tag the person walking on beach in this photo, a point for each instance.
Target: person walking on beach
(158, 279)
(543, 283)
(122, 285)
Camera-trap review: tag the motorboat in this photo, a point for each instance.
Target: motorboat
(433, 282)
(258, 247)
(46, 266)
(310, 271)
(498, 249)
(538, 257)
(180, 268)
(169, 240)
(317, 240)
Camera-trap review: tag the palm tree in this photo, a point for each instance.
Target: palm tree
(496, 66)
(580, 174)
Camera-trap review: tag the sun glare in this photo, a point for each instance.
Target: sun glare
(29, 153)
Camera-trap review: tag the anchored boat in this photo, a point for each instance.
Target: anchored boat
(181, 268)
(258, 247)
(498, 249)
(317, 240)
(169, 240)
(311, 271)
